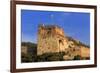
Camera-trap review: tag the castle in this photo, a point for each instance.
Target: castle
(51, 38)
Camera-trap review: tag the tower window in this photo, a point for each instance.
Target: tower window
(60, 41)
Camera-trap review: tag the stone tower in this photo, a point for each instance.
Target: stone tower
(51, 38)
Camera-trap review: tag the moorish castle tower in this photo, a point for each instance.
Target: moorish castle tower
(51, 38)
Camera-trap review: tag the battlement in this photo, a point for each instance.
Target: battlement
(50, 29)
(49, 26)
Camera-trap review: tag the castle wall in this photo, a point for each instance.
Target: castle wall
(47, 45)
(84, 52)
(51, 39)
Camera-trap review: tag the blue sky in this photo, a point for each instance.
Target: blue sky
(74, 24)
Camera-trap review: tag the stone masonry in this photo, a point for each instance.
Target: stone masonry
(51, 38)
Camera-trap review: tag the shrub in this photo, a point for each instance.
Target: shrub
(58, 56)
(77, 57)
(26, 58)
(50, 57)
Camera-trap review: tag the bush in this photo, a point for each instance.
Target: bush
(26, 58)
(50, 57)
(58, 56)
(77, 57)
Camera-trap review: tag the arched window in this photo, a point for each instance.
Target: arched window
(60, 41)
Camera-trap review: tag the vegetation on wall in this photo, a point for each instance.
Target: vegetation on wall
(76, 42)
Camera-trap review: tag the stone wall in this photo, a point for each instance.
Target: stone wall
(84, 52)
(51, 39)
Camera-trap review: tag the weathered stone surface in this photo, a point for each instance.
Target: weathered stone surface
(84, 52)
(52, 39)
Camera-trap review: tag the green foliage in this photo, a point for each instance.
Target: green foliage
(78, 43)
(50, 57)
(77, 57)
(58, 56)
(31, 52)
(29, 44)
(26, 57)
